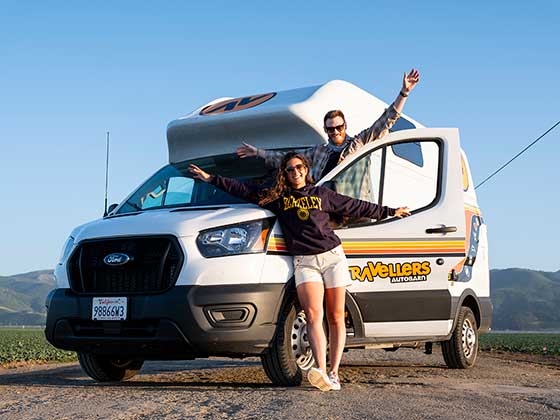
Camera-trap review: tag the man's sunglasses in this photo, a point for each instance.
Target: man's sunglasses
(338, 128)
(299, 167)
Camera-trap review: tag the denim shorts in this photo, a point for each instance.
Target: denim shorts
(330, 268)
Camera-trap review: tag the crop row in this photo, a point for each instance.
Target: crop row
(532, 343)
(29, 344)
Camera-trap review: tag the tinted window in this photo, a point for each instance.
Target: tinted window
(410, 151)
(402, 124)
(174, 186)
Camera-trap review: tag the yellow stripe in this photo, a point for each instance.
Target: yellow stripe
(278, 244)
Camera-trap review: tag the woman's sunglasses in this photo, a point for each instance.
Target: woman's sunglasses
(299, 167)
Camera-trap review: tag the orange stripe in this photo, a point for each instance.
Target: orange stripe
(386, 250)
(388, 247)
(405, 251)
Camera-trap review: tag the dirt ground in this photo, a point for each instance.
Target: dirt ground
(406, 384)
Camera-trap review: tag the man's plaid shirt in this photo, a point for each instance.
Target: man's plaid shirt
(318, 156)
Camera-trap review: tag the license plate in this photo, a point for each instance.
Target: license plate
(109, 308)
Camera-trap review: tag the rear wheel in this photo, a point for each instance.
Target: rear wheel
(290, 351)
(109, 369)
(460, 351)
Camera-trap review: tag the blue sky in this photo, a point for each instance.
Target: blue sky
(71, 71)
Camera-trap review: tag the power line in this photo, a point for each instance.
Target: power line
(517, 155)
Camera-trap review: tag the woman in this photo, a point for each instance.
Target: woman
(321, 269)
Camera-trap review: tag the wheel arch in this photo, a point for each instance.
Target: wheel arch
(469, 299)
(288, 293)
(357, 321)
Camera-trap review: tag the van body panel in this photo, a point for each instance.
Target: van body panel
(410, 330)
(292, 118)
(180, 222)
(400, 272)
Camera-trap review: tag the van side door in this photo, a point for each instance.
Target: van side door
(401, 268)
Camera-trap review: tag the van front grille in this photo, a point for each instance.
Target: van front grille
(125, 265)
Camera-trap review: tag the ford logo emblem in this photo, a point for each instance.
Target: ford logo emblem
(116, 258)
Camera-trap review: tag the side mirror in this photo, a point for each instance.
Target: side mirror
(111, 208)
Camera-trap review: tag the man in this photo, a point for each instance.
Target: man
(325, 157)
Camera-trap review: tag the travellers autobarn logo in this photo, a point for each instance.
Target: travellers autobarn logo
(236, 104)
(397, 273)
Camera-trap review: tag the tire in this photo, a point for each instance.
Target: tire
(290, 351)
(460, 351)
(107, 369)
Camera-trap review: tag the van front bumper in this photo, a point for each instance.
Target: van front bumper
(182, 323)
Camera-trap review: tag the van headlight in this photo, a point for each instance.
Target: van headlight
(66, 248)
(241, 238)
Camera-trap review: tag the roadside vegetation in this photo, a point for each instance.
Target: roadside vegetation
(529, 343)
(29, 345)
(21, 345)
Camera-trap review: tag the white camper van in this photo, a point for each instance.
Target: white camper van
(181, 270)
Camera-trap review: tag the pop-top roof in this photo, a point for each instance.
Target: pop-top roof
(290, 118)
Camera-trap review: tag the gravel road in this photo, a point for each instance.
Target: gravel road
(406, 384)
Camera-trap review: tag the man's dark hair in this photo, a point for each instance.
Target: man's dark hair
(333, 114)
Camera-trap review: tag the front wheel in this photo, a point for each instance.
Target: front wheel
(109, 369)
(290, 351)
(460, 351)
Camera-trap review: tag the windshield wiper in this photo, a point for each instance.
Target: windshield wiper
(201, 207)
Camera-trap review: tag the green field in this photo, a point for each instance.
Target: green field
(29, 344)
(531, 343)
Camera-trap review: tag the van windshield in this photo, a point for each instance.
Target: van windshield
(174, 186)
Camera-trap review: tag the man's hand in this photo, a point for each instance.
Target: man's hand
(410, 81)
(402, 212)
(246, 150)
(199, 173)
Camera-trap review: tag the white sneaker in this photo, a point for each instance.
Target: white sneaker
(319, 379)
(335, 382)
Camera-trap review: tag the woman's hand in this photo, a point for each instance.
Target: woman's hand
(402, 212)
(199, 173)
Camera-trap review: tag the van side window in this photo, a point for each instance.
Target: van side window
(408, 184)
(361, 180)
(410, 151)
(402, 124)
(387, 178)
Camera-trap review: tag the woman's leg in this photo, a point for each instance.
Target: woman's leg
(310, 297)
(335, 300)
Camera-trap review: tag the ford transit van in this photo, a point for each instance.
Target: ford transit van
(182, 270)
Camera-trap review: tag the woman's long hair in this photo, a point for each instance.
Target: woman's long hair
(282, 185)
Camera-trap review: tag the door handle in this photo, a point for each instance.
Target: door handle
(442, 229)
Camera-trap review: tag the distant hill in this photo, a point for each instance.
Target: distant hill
(524, 300)
(22, 297)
